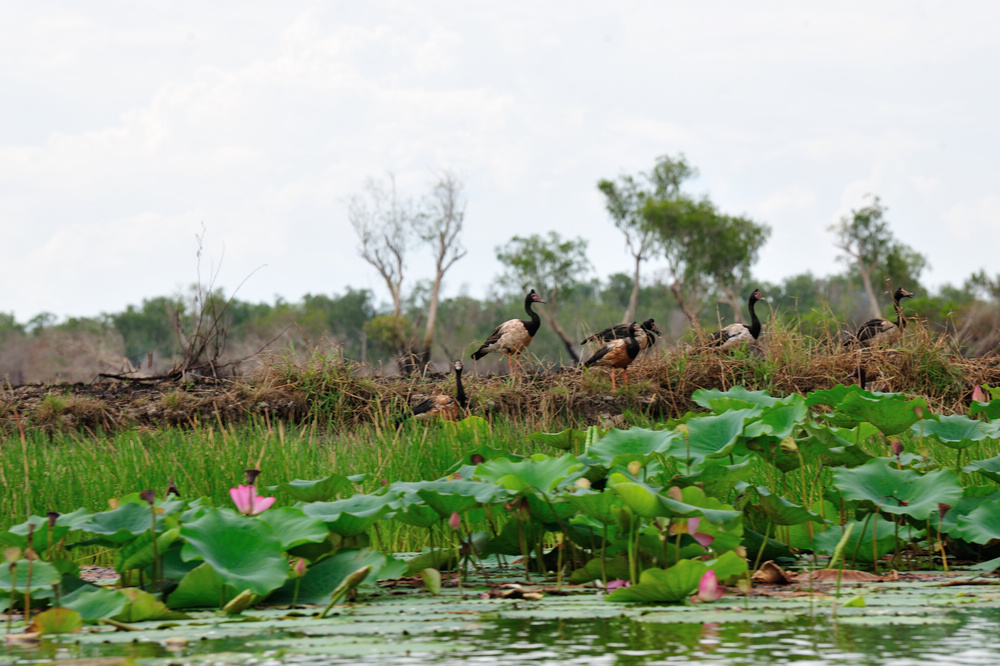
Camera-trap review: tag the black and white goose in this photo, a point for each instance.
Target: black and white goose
(443, 406)
(881, 331)
(736, 335)
(513, 336)
(646, 335)
(617, 354)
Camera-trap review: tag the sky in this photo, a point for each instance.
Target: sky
(131, 129)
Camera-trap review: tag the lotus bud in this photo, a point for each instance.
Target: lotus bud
(12, 554)
(455, 521)
(788, 444)
(741, 551)
(943, 509)
(53, 516)
(477, 459)
(300, 567)
(919, 411)
(897, 447)
(148, 496)
(978, 394)
(708, 588)
(172, 489)
(251, 475)
(674, 493)
(683, 429)
(634, 468)
(582, 483)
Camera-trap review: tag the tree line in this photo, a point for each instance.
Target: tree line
(704, 256)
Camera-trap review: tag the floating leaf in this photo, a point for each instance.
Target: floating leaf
(56, 621)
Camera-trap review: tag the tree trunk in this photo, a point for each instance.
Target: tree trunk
(425, 352)
(866, 280)
(675, 288)
(734, 300)
(633, 299)
(550, 317)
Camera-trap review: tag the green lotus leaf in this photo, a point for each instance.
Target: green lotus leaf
(782, 512)
(955, 431)
(620, 447)
(201, 588)
(243, 551)
(982, 524)
(866, 543)
(569, 439)
(646, 502)
(836, 447)
(138, 553)
(43, 577)
(729, 567)
(602, 506)
(471, 429)
(121, 524)
(352, 516)
(663, 585)
(735, 398)
(95, 603)
(803, 535)
(990, 468)
(778, 420)
(426, 503)
(972, 498)
(42, 537)
(896, 491)
(991, 409)
(717, 479)
(56, 621)
(538, 471)
(318, 490)
(891, 413)
(711, 436)
(293, 527)
(833, 396)
(142, 606)
(322, 578)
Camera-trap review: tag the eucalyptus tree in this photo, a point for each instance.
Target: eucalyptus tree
(552, 266)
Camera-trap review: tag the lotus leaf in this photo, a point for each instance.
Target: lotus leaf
(538, 471)
(782, 512)
(648, 503)
(982, 524)
(352, 516)
(243, 551)
(735, 398)
(121, 524)
(56, 621)
(620, 447)
(896, 491)
(891, 413)
(322, 578)
(990, 468)
(94, 603)
(144, 606)
(955, 431)
(319, 490)
(711, 436)
(860, 546)
(138, 553)
(663, 585)
(569, 439)
(293, 527)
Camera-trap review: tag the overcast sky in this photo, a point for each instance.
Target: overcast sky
(127, 127)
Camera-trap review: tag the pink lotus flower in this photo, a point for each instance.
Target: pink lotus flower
(978, 394)
(615, 584)
(248, 502)
(455, 521)
(704, 540)
(708, 588)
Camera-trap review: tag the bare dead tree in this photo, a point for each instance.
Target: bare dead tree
(383, 223)
(440, 226)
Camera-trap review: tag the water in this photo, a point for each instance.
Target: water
(968, 638)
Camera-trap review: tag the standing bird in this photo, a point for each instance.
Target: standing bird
(881, 331)
(736, 335)
(644, 335)
(617, 354)
(442, 406)
(511, 337)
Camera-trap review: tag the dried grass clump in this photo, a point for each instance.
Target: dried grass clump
(64, 413)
